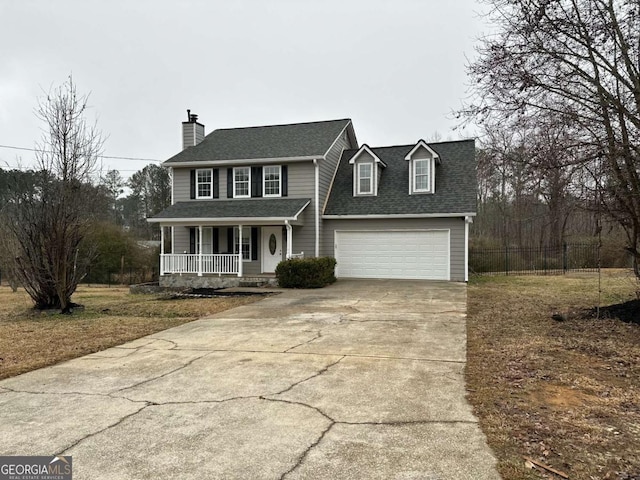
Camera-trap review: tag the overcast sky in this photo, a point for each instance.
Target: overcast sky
(395, 67)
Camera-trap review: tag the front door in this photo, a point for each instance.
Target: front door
(271, 248)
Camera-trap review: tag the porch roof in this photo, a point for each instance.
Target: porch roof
(254, 211)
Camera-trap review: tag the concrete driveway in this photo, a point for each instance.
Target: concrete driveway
(363, 379)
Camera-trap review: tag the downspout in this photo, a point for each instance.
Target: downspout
(467, 221)
(317, 206)
(289, 239)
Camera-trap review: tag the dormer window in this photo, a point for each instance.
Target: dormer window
(422, 172)
(367, 170)
(365, 178)
(421, 175)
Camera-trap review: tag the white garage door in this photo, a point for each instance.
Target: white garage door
(415, 254)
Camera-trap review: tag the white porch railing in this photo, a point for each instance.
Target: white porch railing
(200, 264)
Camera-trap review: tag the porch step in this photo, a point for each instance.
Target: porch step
(252, 283)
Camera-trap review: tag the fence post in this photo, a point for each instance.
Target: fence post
(506, 260)
(564, 257)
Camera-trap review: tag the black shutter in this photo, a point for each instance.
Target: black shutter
(216, 239)
(229, 182)
(216, 183)
(192, 240)
(285, 180)
(254, 243)
(230, 246)
(193, 184)
(256, 181)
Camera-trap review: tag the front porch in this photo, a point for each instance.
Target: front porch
(228, 239)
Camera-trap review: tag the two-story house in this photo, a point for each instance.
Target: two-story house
(244, 199)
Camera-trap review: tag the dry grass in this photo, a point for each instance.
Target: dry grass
(112, 316)
(564, 393)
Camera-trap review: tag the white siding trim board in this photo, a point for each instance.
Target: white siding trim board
(238, 162)
(399, 215)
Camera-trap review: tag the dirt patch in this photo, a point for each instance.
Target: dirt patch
(560, 397)
(111, 316)
(628, 312)
(565, 393)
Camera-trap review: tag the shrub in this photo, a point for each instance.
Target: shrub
(306, 272)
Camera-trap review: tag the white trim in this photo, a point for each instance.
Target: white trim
(374, 230)
(264, 182)
(366, 148)
(244, 161)
(241, 230)
(336, 140)
(467, 221)
(199, 250)
(289, 239)
(161, 249)
(210, 196)
(359, 177)
(233, 175)
(333, 179)
(421, 143)
(429, 175)
(401, 215)
(173, 182)
(317, 207)
(173, 240)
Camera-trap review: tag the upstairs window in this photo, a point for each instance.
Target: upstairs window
(365, 178)
(421, 175)
(272, 181)
(241, 181)
(204, 183)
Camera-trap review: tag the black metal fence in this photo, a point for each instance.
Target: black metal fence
(127, 276)
(534, 261)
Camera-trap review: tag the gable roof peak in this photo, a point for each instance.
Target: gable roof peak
(365, 148)
(422, 144)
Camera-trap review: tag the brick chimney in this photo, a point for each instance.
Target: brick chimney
(192, 131)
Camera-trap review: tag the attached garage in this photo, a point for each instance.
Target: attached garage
(409, 254)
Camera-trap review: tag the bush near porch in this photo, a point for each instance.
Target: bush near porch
(306, 272)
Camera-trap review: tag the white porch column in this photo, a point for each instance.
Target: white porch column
(289, 239)
(239, 250)
(200, 250)
(317, 206)
(161, 250)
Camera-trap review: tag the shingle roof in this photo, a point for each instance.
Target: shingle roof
(273, 141)
(456, 184)
(221, 209)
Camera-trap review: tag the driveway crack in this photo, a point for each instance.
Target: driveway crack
(317, 374)
(181, 367)
(115, 424)
(318, 335)
(304, 454)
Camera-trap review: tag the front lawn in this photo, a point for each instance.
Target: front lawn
(30, 339)
(564, 393)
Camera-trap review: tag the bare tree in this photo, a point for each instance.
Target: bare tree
(577, 61)
(48, 222)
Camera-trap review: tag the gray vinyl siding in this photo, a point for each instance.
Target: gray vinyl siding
(181, 184)
(455, 225)
(328, 168)
(181, 239)
(301, 185)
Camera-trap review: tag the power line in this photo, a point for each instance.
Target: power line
(12, 147)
